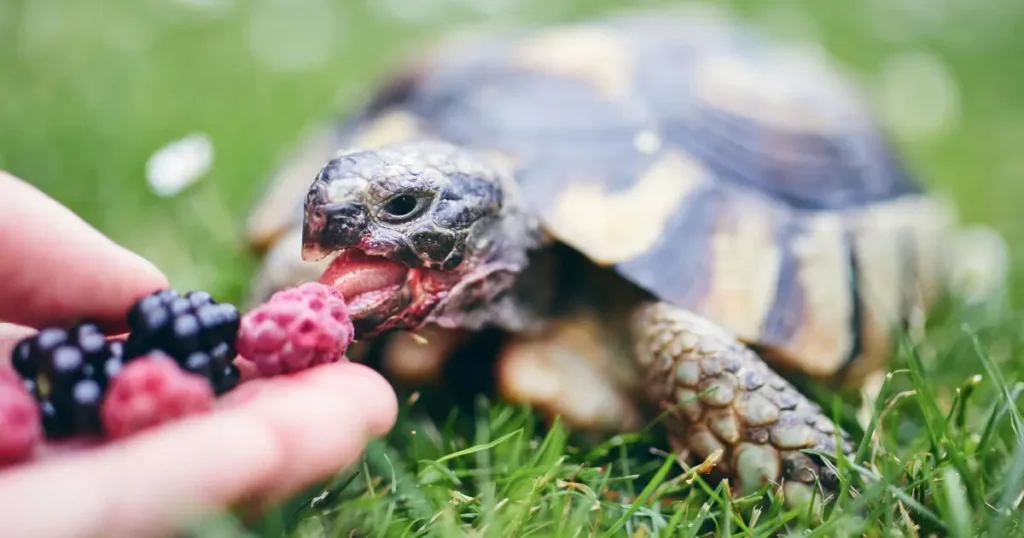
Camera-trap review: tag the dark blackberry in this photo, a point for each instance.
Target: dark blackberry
(86, 396)
(195, 330)
(55, 424)
(217, 366)
(226, 378)
(67, 372)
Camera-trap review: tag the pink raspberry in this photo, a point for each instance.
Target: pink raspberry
(8, 375)
(296, 329)
(21, 427)
(150, 391)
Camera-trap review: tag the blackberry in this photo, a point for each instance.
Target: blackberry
(195, 330)
(67, 372)
(215, 365)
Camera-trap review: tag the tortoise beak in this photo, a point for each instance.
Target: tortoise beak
(313, 221)
(331, 223)
(312, 252)
(313, 249)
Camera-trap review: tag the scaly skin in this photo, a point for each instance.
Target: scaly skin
(722, 396)
(630, 130)
(759, 421)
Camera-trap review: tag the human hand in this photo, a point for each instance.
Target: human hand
(267, 439)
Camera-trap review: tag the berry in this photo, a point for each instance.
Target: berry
(193, 329)
(153, 390)
(20, 427)
(67, 371)
(8, 375)
(296, 329)
(216, 366)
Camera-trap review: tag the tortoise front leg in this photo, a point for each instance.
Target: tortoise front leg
(574, 371)
(720, 395)
(419, 358)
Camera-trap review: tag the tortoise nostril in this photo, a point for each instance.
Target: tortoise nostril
(345, 224)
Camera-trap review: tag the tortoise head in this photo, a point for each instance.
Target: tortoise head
(421, 232)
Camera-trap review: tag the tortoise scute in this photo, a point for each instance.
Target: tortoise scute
(720, 395)
(755, 464)
(740, 184)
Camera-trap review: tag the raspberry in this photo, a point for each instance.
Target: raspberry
(67, 371)
(296, 329)
(196, 331)
(153, 390)
(8, 375)
(20, 427)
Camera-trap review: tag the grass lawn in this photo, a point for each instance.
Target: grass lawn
(89, 89)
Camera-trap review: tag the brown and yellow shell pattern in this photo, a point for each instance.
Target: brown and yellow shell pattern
(736, 178)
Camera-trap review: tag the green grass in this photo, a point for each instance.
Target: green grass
(90, 88)
(947, 460)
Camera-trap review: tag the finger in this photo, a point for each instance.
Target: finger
(290, 433)
(315, 422)
(55, 267)
(10, 334)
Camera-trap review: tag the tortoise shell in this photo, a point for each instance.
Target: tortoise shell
(742, 179)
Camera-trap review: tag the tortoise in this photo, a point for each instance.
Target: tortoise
(667, 213)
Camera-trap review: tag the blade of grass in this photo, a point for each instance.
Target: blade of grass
(658, 478)
(1012, 488)
(997, 378)
(956, 504)
(477, 448)
(384, 461)
(999, 409)
(869, 431)
(905, 497)
(932, 415)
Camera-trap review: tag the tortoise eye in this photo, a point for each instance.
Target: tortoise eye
(401, 206)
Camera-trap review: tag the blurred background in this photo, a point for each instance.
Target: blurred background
(114, 106)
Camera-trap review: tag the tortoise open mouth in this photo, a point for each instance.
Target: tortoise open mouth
(384, 294)
(376, 288)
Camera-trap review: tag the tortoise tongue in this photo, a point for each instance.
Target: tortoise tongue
(364, 280)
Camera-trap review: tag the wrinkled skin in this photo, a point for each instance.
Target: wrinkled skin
(421, 233)
(425, 234)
